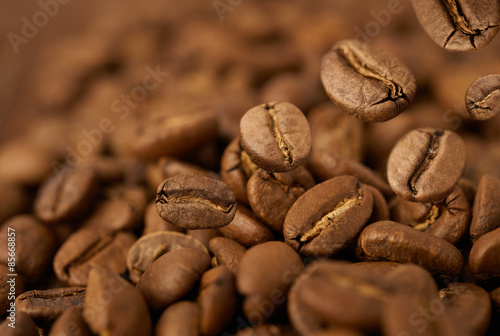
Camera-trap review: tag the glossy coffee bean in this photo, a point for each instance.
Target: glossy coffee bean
(172, 276)
(70, 323)
(24, 326)
(459, 25)
(227, 252)
(485, 211)
(391, 241)
(195, 202)
(181, 318)
(483, 257)
(482, 98)
(371, 85)
(276, 136)
(327, 217)
(426, 164)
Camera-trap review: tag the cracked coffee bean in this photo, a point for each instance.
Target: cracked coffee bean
(485, 210)
(327, 217)
(459, 25)
(482, 98)
(276, 136)
(371, 85)
(195, 202)
(426, 164)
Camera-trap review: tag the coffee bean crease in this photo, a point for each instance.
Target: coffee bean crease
(426, 160)
(165, 199)
(287, 155)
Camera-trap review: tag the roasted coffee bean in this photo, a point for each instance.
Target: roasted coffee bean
(459, 25)
(485, 211)
(371, 85)
(181, 318)
(195, 202)
(268, 330)
(425, 164)
(265, 273)
(227, 252)
(448, 220)
(482, 98)
(217, 300)
(272, 194)
(150, 247)
(246, 229)
(70, 323)
(327, 217)
(391, 241)
(469, 305)
(101, 315)
(24, 326)
(381, 209)
(13, 199)
(376, 268)
(88, 248)
(325, 165)
(276, 136)
(172, 276)
(44, 306)
(65, 196)
(33, 249)
(483, 258)
(154, 223)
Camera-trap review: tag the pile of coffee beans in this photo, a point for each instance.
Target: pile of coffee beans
(292, 180)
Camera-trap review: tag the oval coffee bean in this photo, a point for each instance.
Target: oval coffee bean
(227, 252)
(195, 202)
(484, 255)
(373, 86)
(426, 164)
(70, 323)
(482, 98)
(276, 136)
(459, 25)
(180, 319)
(327, 217)
(485, 211)
(150, 247)
(391, 241)
(172, 276)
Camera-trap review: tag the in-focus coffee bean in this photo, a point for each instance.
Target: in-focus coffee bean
(482, 98)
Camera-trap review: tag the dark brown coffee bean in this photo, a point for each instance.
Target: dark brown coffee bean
(13, 198)
(172, 276)
(34, 246)
(227, 252)
(327, 217)
(88, 248)
(482, 98)
(217, 300)
(44, 306)
(66, 196)
(447, 220)
(381, 209)
(276, 136)
(272, 194)
(195, 202)
(265, 273)
(246, 229)
(325, 165)
(268, 330)
(154, 223)
(459, 25)
(70, 323)
(371, 85)
(485, 211)
(181, 318)
(391, 241)
(483, 257)
(150, 247)
(425, 164)
(23, 326)
(469, 305)
(120, 296)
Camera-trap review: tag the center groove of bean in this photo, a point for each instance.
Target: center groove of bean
(429, 220)
(426, 161)
(165, 199)
(278, 136)
(459, 21)
(92, 250)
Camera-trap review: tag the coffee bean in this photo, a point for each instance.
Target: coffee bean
(181, 318)
(172, 276)
(265, 273)
(44, 306)
(371, 85)
(459, 25)
(327, 217)
(482, 98)
(154, 223)
(485, 212)
(150, 247)
(447, 220)
(276, 136)
(217, 300)
(272, 194)
(70, 323)
(425, 164)
(483, 257)
(88, 248)
(227, 252)
(195, 202)
(391, 241)
(469, 305)
(102, 314)
(24, 326)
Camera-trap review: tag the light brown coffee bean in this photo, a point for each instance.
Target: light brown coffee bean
(482, 98)
(227, 252)
(181, 318)
(483, 257)
(70, 323)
